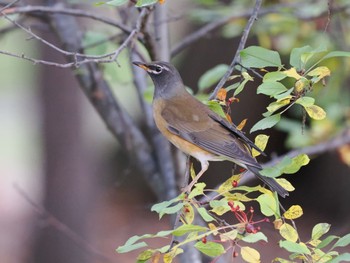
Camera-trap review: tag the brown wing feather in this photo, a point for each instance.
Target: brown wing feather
(202, 130)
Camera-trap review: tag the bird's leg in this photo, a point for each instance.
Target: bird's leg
(204, 167)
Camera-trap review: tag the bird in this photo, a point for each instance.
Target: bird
(195, 129)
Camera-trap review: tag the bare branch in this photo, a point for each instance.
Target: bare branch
(58, 9)
(237, 57)
(105, 58)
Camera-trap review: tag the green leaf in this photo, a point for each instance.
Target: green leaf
(266, 123)
(205, 215)
(210, 248)
(215, 107)
(334, 54)
(305, 101)
(274, 76)
(184, 229)
(241, 86)
(143, 3)
(271, 88)
(212, 76)
(295, 56)
(341, 258)
(198, 190)
(294, 247)
(326, 241)
(268, 204)
(258, 57)
(131, 244)
(297, 163)
(250, 255)
(117, 2)
(220, 207)
(166, 207)
(128, 248)
(277, 169)
(343, 241)
(319, 230)
(288, 232)
(145, 255)
(253, 238)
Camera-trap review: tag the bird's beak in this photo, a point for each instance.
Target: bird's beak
(141, 65)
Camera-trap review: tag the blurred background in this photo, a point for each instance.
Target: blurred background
(56, 151)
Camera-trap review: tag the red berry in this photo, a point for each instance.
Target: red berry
(234, 183)
(204, 240)
(235, 254)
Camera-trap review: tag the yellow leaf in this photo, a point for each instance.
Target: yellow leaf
(285, 184)
(188, 214)
(213, 228)
(168, 257)
(315, 112)
(294, 212)
(288, 232)
(229, 236)
(250, 255)
(242, 124)
(301, 85)
(227, 185)
(292, 73)
(260, 141)
(192, 172)
(319, 73)
(278, 104)
(344, 153)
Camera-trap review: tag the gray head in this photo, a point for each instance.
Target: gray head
(167, 80)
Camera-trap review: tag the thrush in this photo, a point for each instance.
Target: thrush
(195, 129)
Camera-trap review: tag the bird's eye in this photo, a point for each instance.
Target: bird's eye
(158, 69)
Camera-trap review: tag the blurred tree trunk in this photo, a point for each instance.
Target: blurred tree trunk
(68, 182)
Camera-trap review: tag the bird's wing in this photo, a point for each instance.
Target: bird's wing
(203, 131)
(233, 128)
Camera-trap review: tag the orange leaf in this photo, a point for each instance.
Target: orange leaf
(161, 1)
(242, 124)
(221, 96)
(228, 117)
(344, 153)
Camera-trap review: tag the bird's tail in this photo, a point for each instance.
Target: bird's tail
(271, 182)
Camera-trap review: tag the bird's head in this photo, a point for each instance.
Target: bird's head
(166, 78)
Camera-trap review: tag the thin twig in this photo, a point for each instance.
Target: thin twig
(105, 58)
(8, 5)
(241, 46)
(67, 11)
(61, 227)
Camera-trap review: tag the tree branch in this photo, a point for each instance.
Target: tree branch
(330, 145)
(241, 45)
(59, 9)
